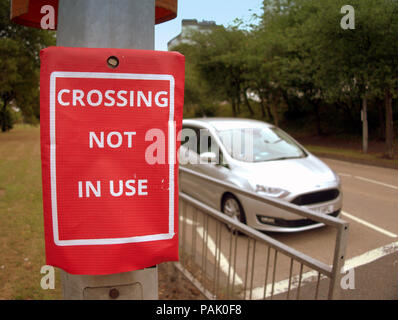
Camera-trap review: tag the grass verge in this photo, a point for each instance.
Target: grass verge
(21, 217)
(375, 159)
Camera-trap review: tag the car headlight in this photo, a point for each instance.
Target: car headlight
(271, 191)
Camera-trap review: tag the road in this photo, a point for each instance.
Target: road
(370, 205)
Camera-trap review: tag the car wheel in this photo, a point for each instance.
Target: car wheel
(232, 208)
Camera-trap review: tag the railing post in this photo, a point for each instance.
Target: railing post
(338, 262)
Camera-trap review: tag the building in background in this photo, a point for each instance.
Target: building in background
(187, 26)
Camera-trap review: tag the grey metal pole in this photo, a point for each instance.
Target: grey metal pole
(108, 24)
(126, 24)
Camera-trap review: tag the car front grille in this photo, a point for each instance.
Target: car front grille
(316, 197)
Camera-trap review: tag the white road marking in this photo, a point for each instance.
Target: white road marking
(369, 180)
(377, 182)
(344, 174)
(283, 286)
(371, 256)
(211, 246)
(369, 225)
(361, 221)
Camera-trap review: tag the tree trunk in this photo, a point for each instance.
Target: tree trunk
(389, 151)
(274, 113)
(247, 102)
(237, 93)
(268, 111)
(233, 105)
(382, 121)
(264, 109)
(317, 118)
(262, 104)
(364, 124)
(271, 109)
(3, 115)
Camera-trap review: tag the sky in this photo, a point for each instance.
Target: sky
(221, 11)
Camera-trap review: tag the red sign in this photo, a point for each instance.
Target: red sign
(108, 142)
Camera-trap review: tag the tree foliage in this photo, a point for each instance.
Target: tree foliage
(300, 62)
(19, 67)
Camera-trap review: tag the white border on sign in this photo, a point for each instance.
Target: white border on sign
(53, 175)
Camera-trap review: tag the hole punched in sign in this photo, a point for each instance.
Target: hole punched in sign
(113, 62)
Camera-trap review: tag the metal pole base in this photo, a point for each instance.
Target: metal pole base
(136, 285)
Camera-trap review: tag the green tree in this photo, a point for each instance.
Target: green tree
(198, 96)
(220, 60)
(262, 73)
(19, 67)
(288, 63)
(322, 63)
(360, 63)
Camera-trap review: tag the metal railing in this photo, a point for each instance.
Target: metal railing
(226, 259)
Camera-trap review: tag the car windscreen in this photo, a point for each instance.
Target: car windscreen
(260, 144)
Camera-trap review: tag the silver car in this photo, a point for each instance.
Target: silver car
(259, 157)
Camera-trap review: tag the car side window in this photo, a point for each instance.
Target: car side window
(207, 142)
(197, 139)
(200, 140)
(190, 138)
